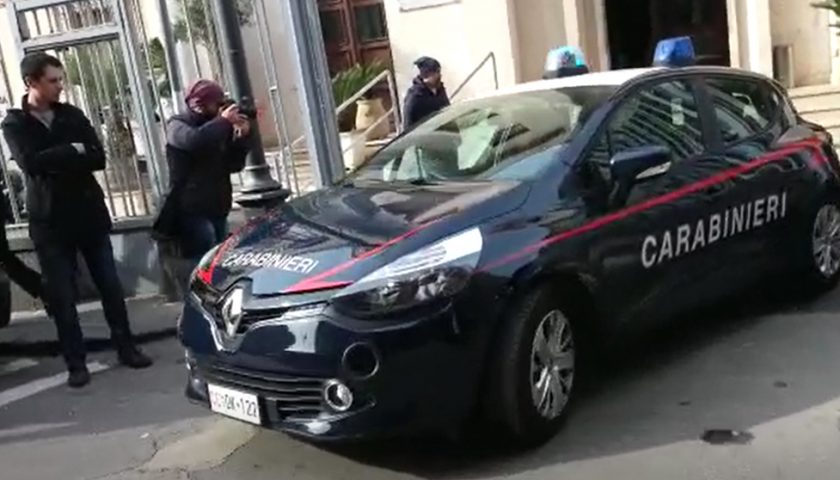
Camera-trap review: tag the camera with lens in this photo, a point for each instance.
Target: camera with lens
(246, 107)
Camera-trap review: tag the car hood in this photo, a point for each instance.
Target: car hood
(333, 237)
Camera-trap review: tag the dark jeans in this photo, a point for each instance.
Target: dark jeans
(199, 234)
(59, 266)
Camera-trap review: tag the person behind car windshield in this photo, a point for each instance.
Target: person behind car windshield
(427, 94)
(204, 147)
(58, 149)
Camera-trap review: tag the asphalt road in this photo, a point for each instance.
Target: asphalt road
(750, 390)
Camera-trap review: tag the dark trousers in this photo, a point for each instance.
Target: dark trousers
(201, 233)
(59, 267)
(28, 279)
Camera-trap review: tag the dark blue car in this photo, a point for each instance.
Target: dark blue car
(467, 265)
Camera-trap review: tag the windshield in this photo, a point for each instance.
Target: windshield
(508, 137)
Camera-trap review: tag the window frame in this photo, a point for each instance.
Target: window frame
(695, 81)
(774, 121)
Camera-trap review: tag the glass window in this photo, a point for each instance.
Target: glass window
(332, 27)
(370, 23)
(508, 137)
(743, 107)
(665, 115)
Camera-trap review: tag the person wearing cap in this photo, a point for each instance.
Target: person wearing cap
(427, 95)
(205, 145)
(58, 150)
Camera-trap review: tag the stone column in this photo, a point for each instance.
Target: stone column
(750, 32)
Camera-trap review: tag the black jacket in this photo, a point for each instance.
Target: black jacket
(421, 102)
(63, 198)
(202, 154)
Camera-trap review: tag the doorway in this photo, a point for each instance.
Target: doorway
(355, 31)
(635, 27)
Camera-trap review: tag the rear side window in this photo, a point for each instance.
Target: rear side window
(743, 107)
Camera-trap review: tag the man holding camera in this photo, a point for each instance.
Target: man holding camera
(204, 147)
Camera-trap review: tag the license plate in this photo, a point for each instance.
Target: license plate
(236, 404)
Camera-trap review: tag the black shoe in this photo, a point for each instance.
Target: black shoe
(133, 358)
(78, 377)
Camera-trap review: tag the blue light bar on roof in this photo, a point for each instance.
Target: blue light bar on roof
(565, 61)
(674, 52)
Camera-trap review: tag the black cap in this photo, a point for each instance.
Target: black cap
(427, 65)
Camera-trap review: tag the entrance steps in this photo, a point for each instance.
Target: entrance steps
(820, 104)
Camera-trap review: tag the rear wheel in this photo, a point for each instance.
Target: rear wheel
(819, 244)
(5, 300)
(534, 369)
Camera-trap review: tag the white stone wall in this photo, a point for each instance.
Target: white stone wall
(806, 29)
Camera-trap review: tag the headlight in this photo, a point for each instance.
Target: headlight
(438, 271)
(204, 263)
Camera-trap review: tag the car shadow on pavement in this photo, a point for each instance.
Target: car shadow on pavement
(760, 356)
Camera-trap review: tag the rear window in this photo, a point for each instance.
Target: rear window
(743, 107)
(506, 137)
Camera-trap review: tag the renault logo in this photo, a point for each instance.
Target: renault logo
(232, 310)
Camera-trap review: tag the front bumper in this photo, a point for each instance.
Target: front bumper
(424, 374)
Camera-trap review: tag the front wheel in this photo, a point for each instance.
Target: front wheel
(534, 369)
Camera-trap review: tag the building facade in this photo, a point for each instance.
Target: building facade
(787, 39)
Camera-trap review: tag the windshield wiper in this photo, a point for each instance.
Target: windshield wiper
(422, 182)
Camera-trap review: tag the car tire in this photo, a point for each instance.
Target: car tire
(529, 411)
(818, 245)
(5, 301)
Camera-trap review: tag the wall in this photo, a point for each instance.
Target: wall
(546, 24)
(806, 28)
(460, 35)
(540, 25)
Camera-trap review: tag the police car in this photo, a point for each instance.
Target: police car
(467, 266)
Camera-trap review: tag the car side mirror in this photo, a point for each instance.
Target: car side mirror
(637, 165)
(642, 163)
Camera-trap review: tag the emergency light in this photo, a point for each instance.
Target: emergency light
(564, 62)
(674, 52)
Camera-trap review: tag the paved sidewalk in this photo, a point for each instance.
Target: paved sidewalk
(33, 333)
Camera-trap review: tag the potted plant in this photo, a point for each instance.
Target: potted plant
(369, 107)
(357, 118)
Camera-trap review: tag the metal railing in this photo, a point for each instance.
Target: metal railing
(91, 38)
(491, 57)
(393, 111)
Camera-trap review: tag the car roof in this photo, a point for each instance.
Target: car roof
(614, 78)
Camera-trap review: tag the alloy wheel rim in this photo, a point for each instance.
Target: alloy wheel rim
(826, 240)
(552, 365)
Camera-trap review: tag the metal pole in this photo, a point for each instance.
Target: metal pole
(174, 73)
(196, 62)
(281, 126)
(258, 188)
(317, 102)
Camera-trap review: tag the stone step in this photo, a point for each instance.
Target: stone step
(818, 103)
(827, 118)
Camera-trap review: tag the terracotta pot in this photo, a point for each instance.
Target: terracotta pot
(353, 148)
(367, 113)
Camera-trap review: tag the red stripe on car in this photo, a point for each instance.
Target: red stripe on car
(721, 177)
(317, 282)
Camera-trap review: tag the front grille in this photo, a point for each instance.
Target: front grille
(251, 317)
(289, 396)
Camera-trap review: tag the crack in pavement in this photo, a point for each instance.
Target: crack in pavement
(137, 466)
